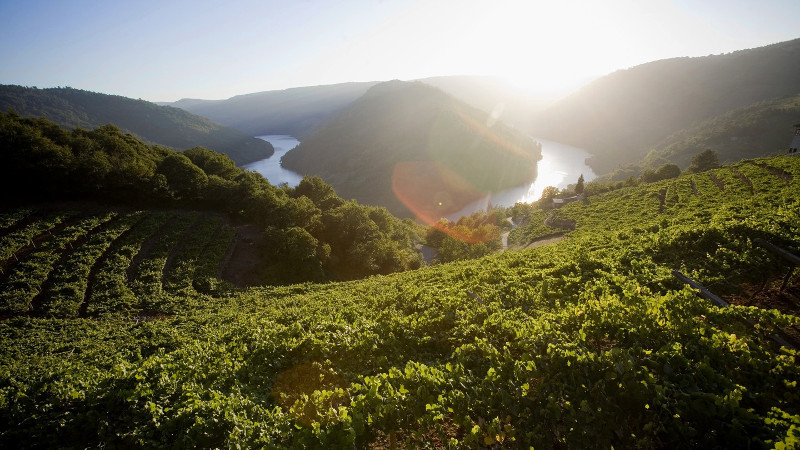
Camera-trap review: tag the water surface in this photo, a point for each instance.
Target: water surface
(271, 167)
(561, 165)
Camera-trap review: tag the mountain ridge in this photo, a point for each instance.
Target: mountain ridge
(162, 125)
(621, 116)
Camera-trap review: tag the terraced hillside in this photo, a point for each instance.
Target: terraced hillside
(87, 263)
(589, 342)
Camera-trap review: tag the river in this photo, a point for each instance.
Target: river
(560, 165)
(271, 167)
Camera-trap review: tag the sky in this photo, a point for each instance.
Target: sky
(165, 50)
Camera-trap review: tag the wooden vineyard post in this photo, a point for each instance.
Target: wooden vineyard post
(794, 259)
(705, 293)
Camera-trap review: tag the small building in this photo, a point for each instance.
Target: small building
(795, 142)
(559, 202)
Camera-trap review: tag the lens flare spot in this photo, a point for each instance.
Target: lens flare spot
(432, 191)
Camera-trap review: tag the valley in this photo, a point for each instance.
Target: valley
(384, 264)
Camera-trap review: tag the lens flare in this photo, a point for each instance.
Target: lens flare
(430, 190)
(488, 133)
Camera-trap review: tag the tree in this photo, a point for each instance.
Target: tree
(668, 171)
(648, 176)
(185, 180)
(579, 185)
(664, 172)
(213, 163)
(549, 192)
(703, 161)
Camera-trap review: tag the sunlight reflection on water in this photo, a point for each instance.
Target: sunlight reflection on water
(560, 166)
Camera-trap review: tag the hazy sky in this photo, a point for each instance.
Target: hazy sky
(165, 50)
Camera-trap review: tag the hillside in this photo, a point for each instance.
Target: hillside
(297, 111)
(306, 233)
(620, 117)
(171, 127)
(765, 128)
(412, 148)
(590, 342)
(301, 111)
(516, 108)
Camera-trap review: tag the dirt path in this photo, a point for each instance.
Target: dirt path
(720, 184)
(744, 179)
(144, 249)
(178, 248)
(545, 240)
(243, 262)
(780, 173)
(504, 236)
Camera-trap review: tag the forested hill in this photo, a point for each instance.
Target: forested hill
(411, 147)
(296, 111)
(171, 127)
(763, 129)
(304, 233)
(620, 117)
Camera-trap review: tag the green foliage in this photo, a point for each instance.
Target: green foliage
(172, 127)
(587, 343)
(212, 163)
(760, 129)
(704, 161)
(579, 186)
(184, 179)
(42, 161)
(530, 220)
(664, 172)
(470, 237)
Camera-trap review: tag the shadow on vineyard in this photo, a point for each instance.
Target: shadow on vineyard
(119, 328)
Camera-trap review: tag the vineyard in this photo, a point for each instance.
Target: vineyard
(117, 331)
(84, 263)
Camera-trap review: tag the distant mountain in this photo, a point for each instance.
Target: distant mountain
(301, 111)
(415, 149)
(163, 125)
(297, 111)
(622, 116)
(490, 94)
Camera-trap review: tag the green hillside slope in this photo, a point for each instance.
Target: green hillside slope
(620, 117)
(412, 148)
(590, 342)
(763, 129)
(171, 127)
(301, 234)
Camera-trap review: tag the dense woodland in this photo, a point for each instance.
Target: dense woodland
(162, 125)
(309, 232)
(454, 150)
